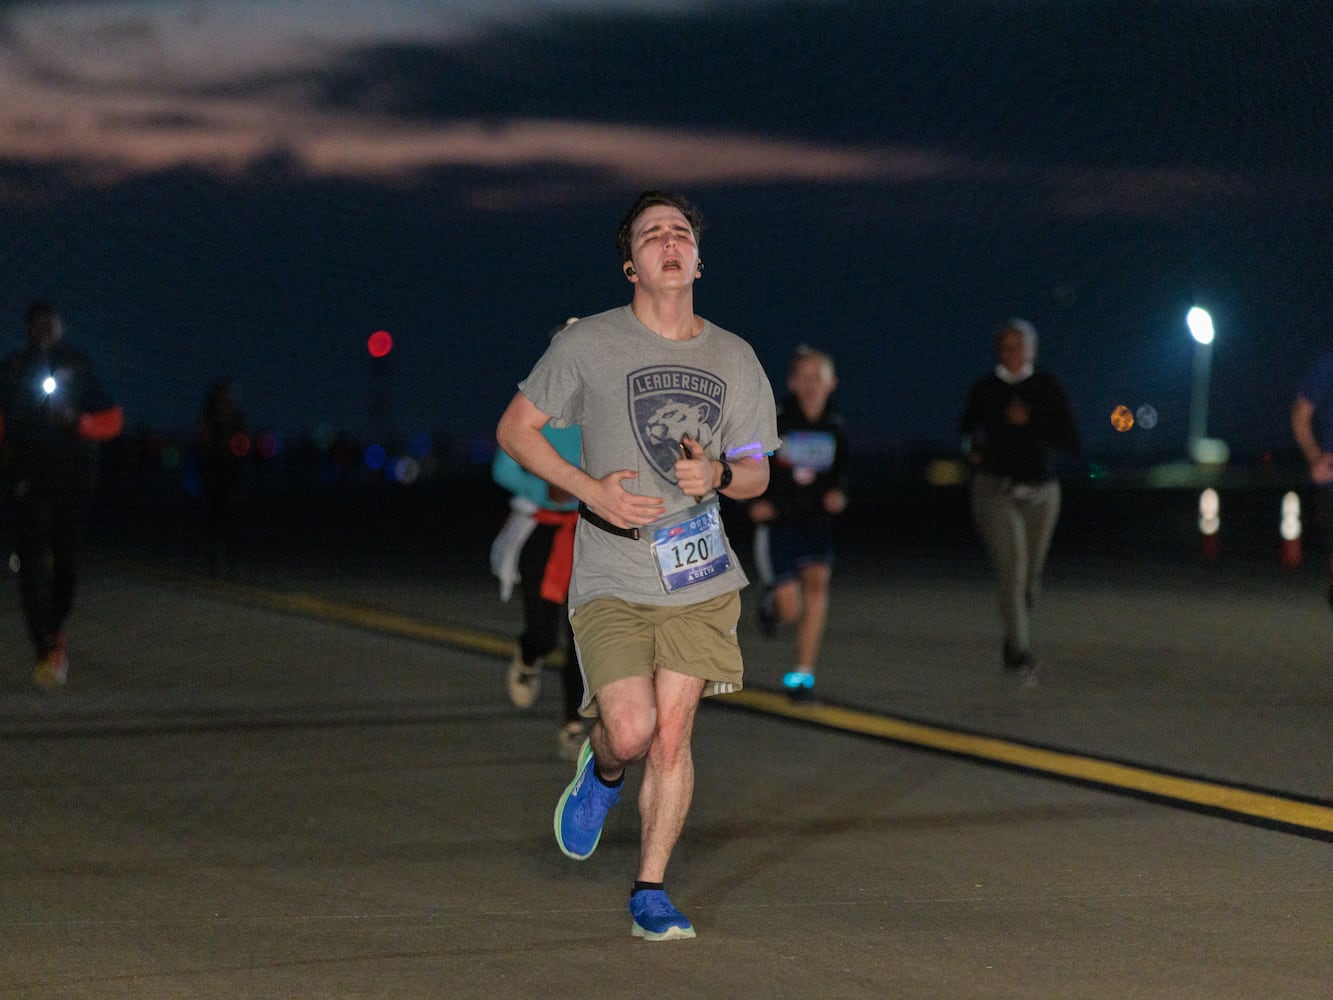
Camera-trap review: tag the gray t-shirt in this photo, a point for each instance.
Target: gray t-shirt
(634, 394)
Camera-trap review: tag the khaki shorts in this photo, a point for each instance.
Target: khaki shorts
(616, 639)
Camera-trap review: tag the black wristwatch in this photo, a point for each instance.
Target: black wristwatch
(725, 481)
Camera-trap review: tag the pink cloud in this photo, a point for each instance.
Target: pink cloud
(103, 138)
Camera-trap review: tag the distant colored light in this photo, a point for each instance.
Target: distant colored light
(1121, 419)
(1290, 524)
(380, 344)
(946, 472)
(1146, 416)
(48, 385)
(1290, 553)
(420, 445)
(171, 457)
(1210, 451)
(268, 445)
(406, 470)
(375, 457)
(240, 444)
(1210, 508)
(1200, 323)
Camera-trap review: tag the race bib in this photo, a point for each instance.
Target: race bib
(691, 548)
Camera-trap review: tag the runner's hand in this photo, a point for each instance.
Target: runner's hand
(694, 475)
(618, 505)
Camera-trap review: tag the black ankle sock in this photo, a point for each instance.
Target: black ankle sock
(609, 784)
(644, 886)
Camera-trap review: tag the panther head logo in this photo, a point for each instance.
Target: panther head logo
(675, 419)
(668, 402)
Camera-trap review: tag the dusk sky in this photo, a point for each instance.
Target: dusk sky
(250, 189)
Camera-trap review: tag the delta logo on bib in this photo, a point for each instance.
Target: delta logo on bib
(668, 402)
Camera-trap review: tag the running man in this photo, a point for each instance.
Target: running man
(674, 411)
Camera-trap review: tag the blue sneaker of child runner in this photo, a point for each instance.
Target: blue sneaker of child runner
(655, 919)
(800, 687)
(582, 809)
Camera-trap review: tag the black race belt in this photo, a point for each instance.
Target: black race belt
(597, 521)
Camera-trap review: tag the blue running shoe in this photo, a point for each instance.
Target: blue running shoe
(655, 919)
(582, 810)
(800, 687)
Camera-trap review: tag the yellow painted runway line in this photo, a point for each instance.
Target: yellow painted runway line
(1251, 804)
(1265, 806)
(357, 615)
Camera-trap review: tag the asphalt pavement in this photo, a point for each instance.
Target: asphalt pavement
(305, 780)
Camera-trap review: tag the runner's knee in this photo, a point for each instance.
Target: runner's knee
(629, 734)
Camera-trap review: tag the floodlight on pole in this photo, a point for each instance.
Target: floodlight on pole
(1202, 448)
(1200, 322)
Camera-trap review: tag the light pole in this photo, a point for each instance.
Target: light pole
(1202, 448)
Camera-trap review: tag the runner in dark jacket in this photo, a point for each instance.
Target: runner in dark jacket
(53, 409)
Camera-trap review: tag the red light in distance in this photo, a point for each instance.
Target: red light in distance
(379, 344)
